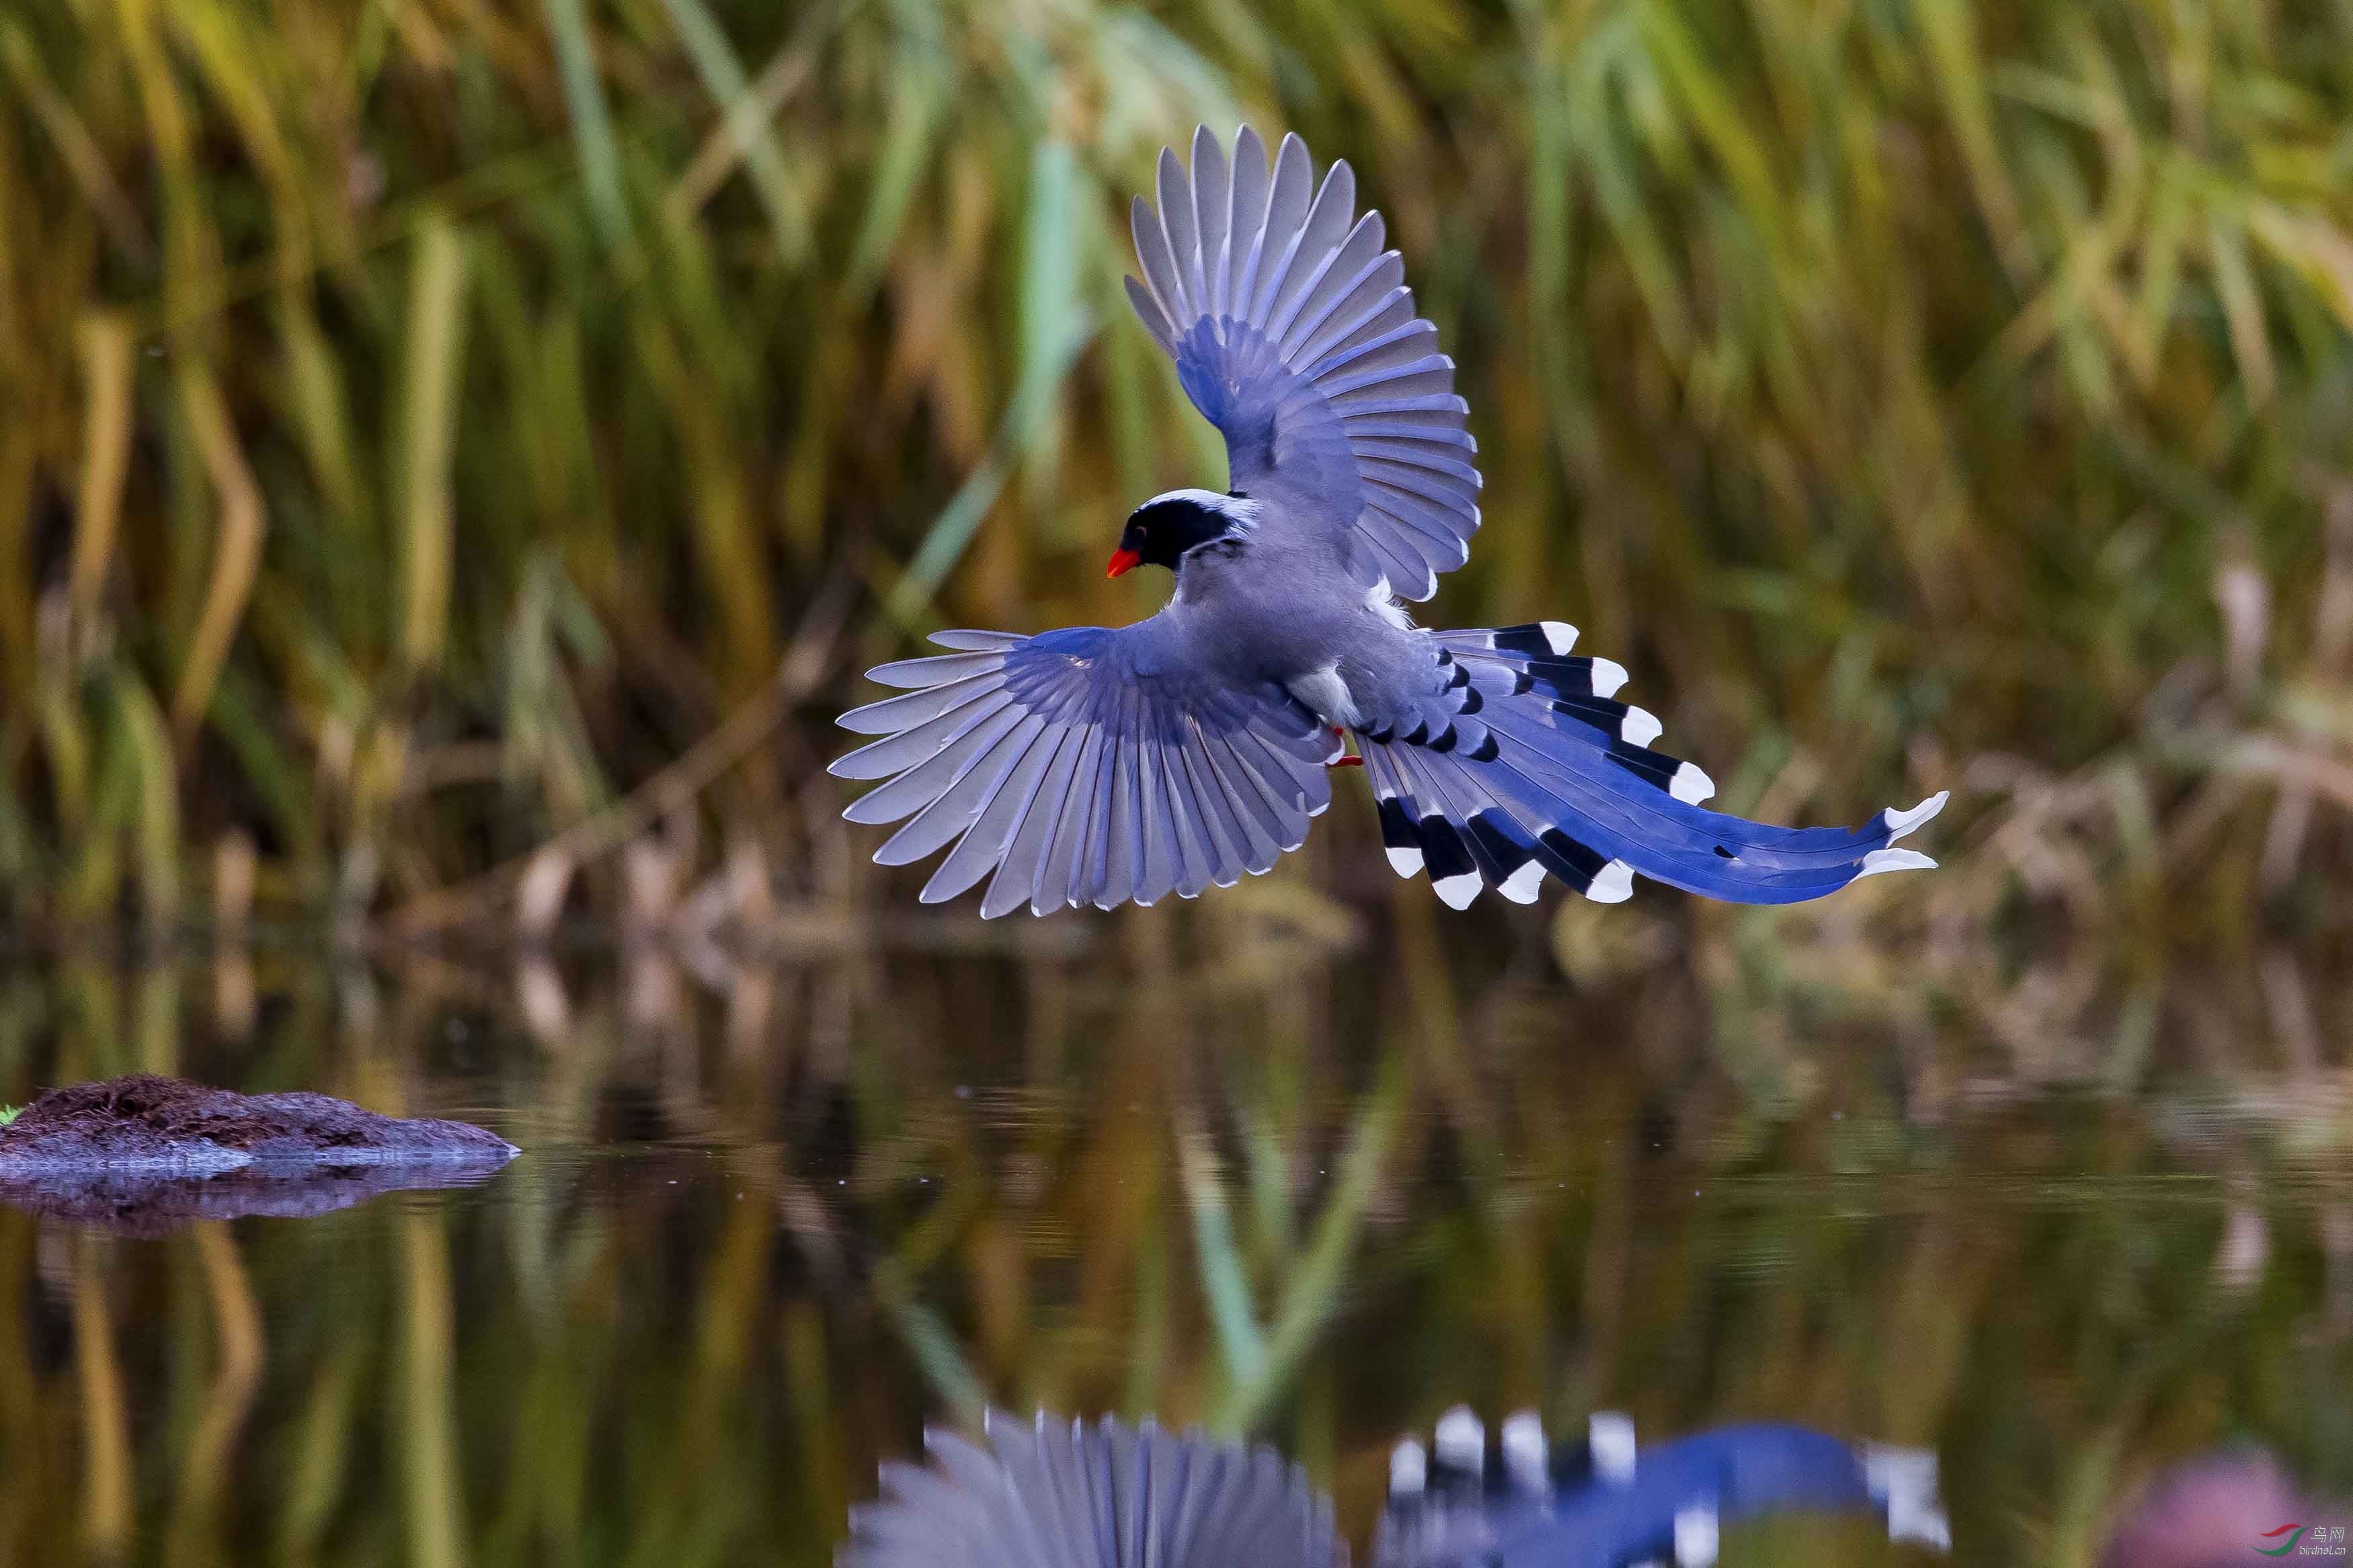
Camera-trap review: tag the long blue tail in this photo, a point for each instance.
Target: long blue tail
(1600, 1501)
(1568, 784)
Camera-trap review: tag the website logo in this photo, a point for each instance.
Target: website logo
(2306, 1541)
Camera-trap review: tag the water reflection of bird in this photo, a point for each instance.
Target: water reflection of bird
(1047, 1494)
(1089, 766)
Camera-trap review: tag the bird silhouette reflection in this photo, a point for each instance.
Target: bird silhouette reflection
(1048, 1493)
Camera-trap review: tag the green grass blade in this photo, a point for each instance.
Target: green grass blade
(592, 122)
(437, 297)
(756, 139)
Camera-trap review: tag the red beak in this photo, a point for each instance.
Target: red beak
(1123, 560)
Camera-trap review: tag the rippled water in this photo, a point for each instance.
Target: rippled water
(767, 1227)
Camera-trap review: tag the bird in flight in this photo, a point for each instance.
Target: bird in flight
(1098, 765)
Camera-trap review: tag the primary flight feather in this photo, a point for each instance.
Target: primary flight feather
(1098, 766)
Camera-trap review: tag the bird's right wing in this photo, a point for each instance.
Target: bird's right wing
(1084, 766)
(1064, 1494)
(1294, 334)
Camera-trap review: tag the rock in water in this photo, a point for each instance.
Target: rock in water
(145, 1153)
(169, 1125)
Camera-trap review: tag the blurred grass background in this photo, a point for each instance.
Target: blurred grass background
(450, 441)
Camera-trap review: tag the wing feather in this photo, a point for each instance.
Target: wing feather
(1162, 866)
(1121, 853)
(1184, 243)
(1295, 333)
(1377, 306)
(1328, 223)
(1245, 207)
(1294, 806)
(893, 714)
(934, 671)
(1227, 844)
(1196, 869)
(1013, 837)
(1328, 284)
(1260, 844)
(1434, 456)
(1061, 876)
(1212, 190)
(1355, 350)
(1286, 223)
(961, 804)
(1147, 311)
(1401, 563)
(1152, 253)
(1427, 527)
(1435, 529)
(975, 641)
(1430, 374)
(1056, 1494)
(1357, 262)
(1363, 320)
(1086, 766)
(895, 754)
(928, 777)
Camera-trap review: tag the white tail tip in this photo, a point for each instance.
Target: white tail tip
(1691, 784)
(1462, 1441)
(1904, 1479)
(1408, 1469)
(1614, 883)
(1900, 822)
(1525, 1452)
(1697, 1536)
(1880, 860)
(1610, 1437)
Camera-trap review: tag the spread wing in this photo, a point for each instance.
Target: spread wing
(1294, 334)
(1055, 1494)
(1084, 766)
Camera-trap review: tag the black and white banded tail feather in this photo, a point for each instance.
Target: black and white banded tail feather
(1563, 780)
(1597, 1499)
(1295, 335)
(1050, 1494)
(1084, 766)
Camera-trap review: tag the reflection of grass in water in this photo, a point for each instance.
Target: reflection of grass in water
(1419, 1189)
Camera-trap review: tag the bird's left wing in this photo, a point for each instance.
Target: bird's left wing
(1066, 1494)
(1084, 766)
(1294, 334)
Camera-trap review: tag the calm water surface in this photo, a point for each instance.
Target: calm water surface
(769, 1225)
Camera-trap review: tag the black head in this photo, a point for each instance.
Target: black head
(1163, 528)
